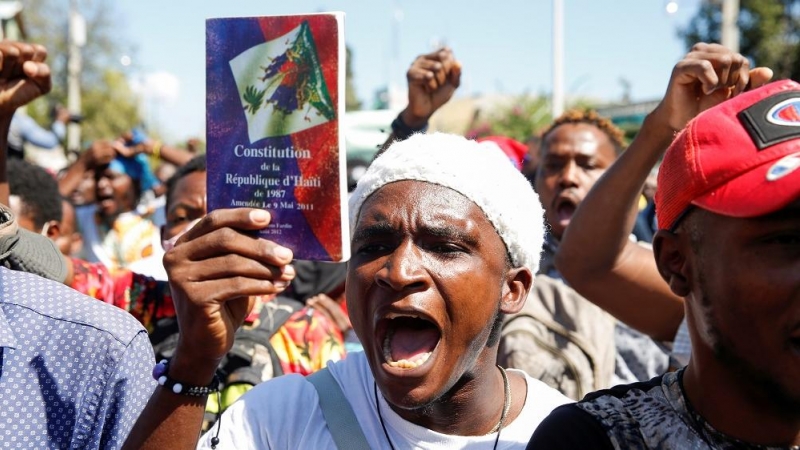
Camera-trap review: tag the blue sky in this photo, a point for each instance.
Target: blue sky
(504, 45)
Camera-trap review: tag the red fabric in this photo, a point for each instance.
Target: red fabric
(323, 139)
(715, 165)
(515, 150)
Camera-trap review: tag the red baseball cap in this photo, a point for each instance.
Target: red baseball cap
(738, 159)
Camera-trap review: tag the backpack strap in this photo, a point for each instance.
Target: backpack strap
(338, 413)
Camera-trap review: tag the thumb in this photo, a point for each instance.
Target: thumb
(455, 74)
(760, 76)
(239, 308)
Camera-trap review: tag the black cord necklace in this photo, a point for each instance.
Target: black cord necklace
(497, 428)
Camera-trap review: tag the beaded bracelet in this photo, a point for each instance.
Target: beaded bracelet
(402, 131)
(160, 375)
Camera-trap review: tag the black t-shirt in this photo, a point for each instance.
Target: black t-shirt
(569, 427)
(655, 414)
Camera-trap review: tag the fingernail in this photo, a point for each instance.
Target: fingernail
(280, 284)
(259, 215)
(289, 270)
(282, 252)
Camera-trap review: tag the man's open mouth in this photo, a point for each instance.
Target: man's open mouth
(565, 209)
(408, 340)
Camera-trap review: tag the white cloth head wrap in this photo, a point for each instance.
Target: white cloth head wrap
(481, 173)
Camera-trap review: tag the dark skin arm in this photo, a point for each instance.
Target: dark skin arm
(23, 77)
(172, 155)
(617, 274)
(100, 153)
(214, 270)
(432, 80)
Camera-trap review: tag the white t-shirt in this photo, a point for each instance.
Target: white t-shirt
(284, 413)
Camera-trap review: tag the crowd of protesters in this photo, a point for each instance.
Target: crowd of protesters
(499, 295)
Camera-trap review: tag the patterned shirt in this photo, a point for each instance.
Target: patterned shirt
(147, 299)
(682, 345)
(132, 237)
(74, 373)
(648, 415)
(304, 344)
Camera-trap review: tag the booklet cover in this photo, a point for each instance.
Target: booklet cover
(274, 99)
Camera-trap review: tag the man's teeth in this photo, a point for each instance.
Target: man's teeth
(395, 315)
(406, 364)
(403, 363)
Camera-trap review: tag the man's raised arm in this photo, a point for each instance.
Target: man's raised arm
(596, 255)
(215, 270)
(23, 77)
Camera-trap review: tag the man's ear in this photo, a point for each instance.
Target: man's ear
(673, 261)
(52, 230)
(515, 289)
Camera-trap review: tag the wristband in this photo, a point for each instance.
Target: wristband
(157, 149)
(402, 131)
(160, 374)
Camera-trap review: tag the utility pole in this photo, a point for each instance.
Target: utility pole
(558, 58)
(77, 39)
(730, 27)
(396, 99)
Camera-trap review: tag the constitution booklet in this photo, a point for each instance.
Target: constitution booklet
(274, 100)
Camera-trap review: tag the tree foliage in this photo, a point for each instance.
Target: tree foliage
(519, 119)
(108, 106)
(110, 110)
(769, 32)
(351, 101)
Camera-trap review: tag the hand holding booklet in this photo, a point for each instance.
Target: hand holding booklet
(274, 100)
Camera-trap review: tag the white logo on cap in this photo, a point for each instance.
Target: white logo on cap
(783, 167)
(786, 113)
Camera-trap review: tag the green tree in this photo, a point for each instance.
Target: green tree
(108, 105)
(769, 32)
(519, 119)
(351, 101)
(111, 109)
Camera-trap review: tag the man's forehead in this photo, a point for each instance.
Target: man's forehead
(789, 212)
(423, 200)
(580, 138)
(416, 194)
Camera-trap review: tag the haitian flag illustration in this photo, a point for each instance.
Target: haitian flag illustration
(273, 103)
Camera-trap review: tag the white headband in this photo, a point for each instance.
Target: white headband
(480, 173)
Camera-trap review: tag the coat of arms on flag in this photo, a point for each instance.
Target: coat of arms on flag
(281, 86)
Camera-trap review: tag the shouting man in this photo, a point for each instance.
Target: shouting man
(441, 252)
(728, 206)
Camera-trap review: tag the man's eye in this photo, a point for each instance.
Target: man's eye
(588, 165)
(785, 239)
(177, 220)
(553, 165)
(444, 248)
(371, 248)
